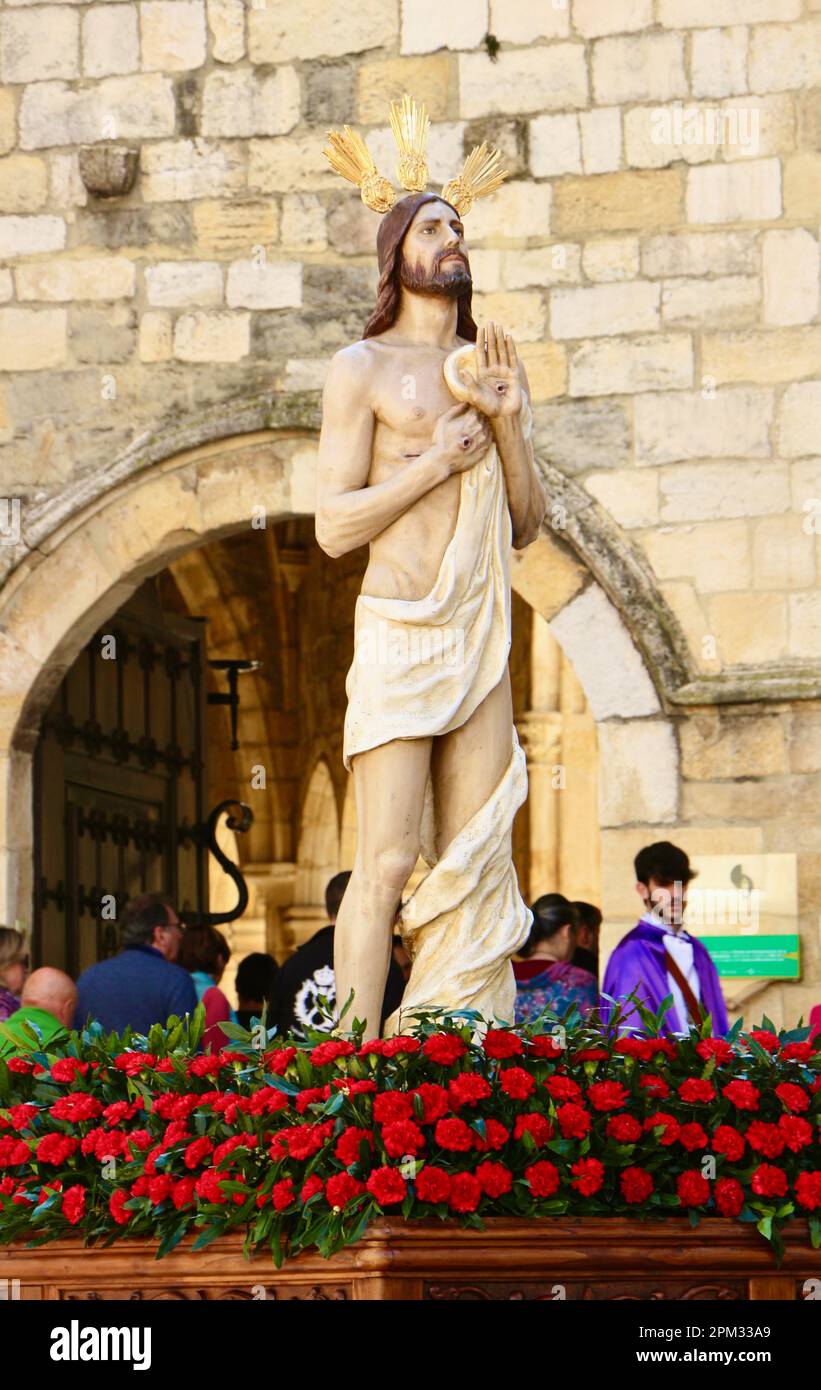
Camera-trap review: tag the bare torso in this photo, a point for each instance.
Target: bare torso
(408, 394)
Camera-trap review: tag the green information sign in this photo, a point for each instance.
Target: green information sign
(763, 956)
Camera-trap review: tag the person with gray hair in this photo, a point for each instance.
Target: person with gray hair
(143, 984)
(46, 1009)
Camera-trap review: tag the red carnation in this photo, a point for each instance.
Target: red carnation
(797, 1133)
(444, 1049)
(55, 1148)
(353, 1088)
(692, 1137)
(133, 1062)
(799, 1052)
(769, 1181)
(116, 1203)
(562, 1088)
(693, 1188)
(588, 1176)
(465, 1192)
(392, 1105)
(310, 1187)
(314, 1095)
(714, 1047)
(76, 1108)
(729, 1196)
(331, 1051)
(403, 1137)
(160, 1188)
(468, 1089)
(765, 1138)
(517, 1083)
(542, 1178)
(544, 1045)
(279, 1061)
(655, 1086)
(499, 1044)
(607, 1095)
(73, 1204)
(696, 1091)
(387, 1186)
(24, 1068)
(634, 1047)
(663, 1046)
(64, 1069)
(496, 1136)
(535, 1124)
(636, 1185)
(15, 1151)
(282, 1193)
(574, 1120)
(668, 1124)
(808, 1190)
(494, 1178)
(197, 1150)
(306, 1140)
(341, 1188)
(433, 1184)
(764, 1038)
(348, 1144)
(625, 1129)
(454, 1134)
(182, 1195)
(400, 1046)
(434, 1101)
(793, 1097)
(742, 1094)
(727, 1140)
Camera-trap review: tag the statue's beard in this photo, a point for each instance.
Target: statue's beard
(451, 280)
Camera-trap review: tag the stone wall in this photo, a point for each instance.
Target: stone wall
(655, 252)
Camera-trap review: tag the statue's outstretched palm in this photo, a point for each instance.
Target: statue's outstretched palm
(496, 388)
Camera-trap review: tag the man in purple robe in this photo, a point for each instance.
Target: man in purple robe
(658, 957)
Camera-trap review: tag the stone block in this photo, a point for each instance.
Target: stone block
(381, 80)
(542, 78)
(107, 335)
(29, 236)
(734, 423)
(427, 25)
(121, 227)
(731, 301)
(715, 555)
(715, 747)
(785, 56)
(546, 368)
(743, 192)
(791, 266)
(171, 284)
(748, 628)
(640, 67)
(656, 136)
(629, 496)
(182, 170)
(757, 126)
(604, 310)
(611, 258)
(779, 355)
(328, 94)
(240, 103)
(66, 188)
(800, 420)
(289, 164)
(718, 61)
(559, 264)
(522, 313)
(583, 436)
(350, 228)
(111, 44)
(623, 366)
(93, 277)
(156, 336)
(709, 491)
(518, 210)
(555, 146)
(224, 229)
(594, 19)
(264, 284)
(212, 337)
(39, 44)
(601, 139)
(226, 24)
(701, 253)
(141, 107)
(172, 35)
(305, 29)
(805, 631)
(6, 286)
(681, 14)
(32, 340)
(23, 183)
(303, 222)
(637, 772)
(783, 554)
(802, 187)
(644, 200)
(615, 681)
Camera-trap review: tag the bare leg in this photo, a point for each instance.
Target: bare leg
(468, 764)
(389, 785)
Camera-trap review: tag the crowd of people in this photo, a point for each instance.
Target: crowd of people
(165, 968)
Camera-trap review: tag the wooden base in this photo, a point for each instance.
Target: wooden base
(544, 1260)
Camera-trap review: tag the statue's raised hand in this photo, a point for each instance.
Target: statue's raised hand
(496, 388)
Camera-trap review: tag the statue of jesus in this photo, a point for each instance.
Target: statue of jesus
(431, 465)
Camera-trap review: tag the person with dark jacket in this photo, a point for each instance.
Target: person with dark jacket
(586, 954)
(254, 985)
(307, 977)
(142, 985)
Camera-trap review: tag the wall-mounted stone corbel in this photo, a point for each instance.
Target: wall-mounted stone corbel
(108, 171)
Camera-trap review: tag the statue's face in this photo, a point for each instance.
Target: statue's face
(434, 255)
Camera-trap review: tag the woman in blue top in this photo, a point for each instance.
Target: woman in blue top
(544, 975)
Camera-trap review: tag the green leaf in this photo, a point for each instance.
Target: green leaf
(765, 1227)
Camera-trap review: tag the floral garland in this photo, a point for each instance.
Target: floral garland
(302, 1146)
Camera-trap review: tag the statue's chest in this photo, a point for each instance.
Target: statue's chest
(413, 395)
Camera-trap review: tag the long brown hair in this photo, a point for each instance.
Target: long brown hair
(389, 240)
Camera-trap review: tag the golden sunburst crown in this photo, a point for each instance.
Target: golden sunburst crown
(481, 173)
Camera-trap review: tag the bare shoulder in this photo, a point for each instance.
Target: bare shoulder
(350, 377)
(356, 360)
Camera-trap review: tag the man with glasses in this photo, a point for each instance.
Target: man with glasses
(142, 985)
